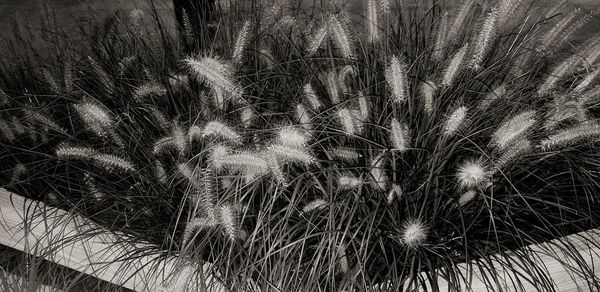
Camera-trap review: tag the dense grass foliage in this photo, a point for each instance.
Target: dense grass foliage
(318, 151)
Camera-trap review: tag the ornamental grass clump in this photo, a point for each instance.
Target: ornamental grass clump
(304, 152)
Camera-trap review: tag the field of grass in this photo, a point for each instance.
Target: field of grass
(314, 149)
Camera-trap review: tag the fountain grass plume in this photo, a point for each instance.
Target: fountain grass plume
(514, 128)
(395, 76)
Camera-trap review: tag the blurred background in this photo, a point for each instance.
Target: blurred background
(68, 12)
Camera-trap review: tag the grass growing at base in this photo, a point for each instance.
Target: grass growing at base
(320, 151)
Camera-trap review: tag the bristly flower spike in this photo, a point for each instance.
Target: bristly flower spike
(413, 233)
(485, 38)
(399, 136)
(455, 121)
(240, 43)
(395, 76)
(455, 66)
(513, 129)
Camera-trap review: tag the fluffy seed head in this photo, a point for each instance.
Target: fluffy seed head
(466, 197)
(472, 173)
(216, 74)
(303, 116)
(571, 135)
(64, 151)
(363, 105)
(512, 152)
(112, 162)
(585, 82)
(497, 93)
(413, 233)
(149, 89)
(439, 50)
(316, 204)
(311, 96)
(246, 116)
(341, 36)
(372, 21)
(348, 182)
(290, 154)
(333, 86)
(220, 130)
(455, 120)
(395, 192)
(347, 121)
(292, 137)
(318, 37)
(395, 76)
(345, 154)
(96, 118)
(194, 133)
(459, 20)
(240, 43)
(228, 219)
(400, 136)
(455, 66)
(485, 38)
(428, 89)
(512, 129)
(197, 225)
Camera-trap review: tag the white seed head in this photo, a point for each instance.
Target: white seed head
(311, 96)
(316, 204)
(291, 154)
(317, 38)
(303, 116)
(197, 225)
(292, 137)
(216, 74)
(466, 197)
(149, 89)
(400, 136)
(473, 173)
(512, 152)
(347, 122)
(414, 233)
(194, 133)
(428, 90)
(247, 116)
(455, 66)
(395, 76)
(341, 36)
(571, 135)
(394, 193)
(496, 94)
(96, 118)
(363, 105)
(240, 43)
(332, 81)
(348, 182)
(455, 121)
(485, 38)
(372, 19)
(112, 162)
(63, 151)
(220, 130)
(441, 39)
(345, 154)
(228, 219)
(513, 129)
